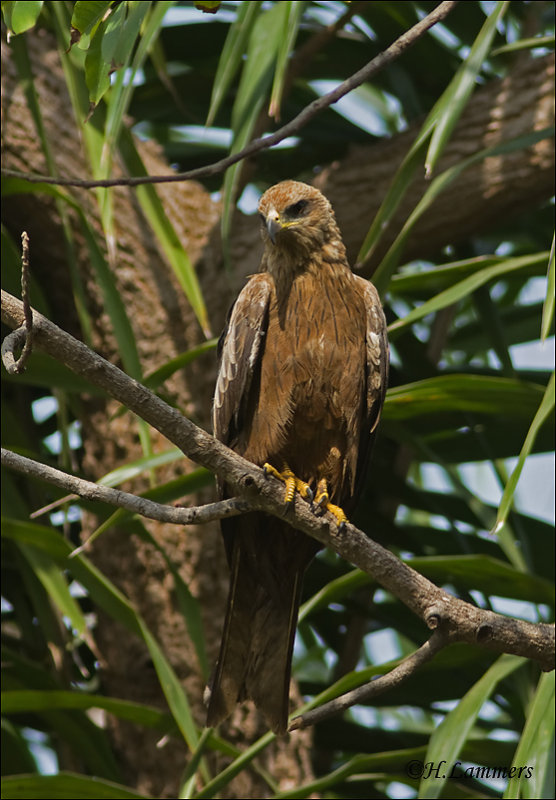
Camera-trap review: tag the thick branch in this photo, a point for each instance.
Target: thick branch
(378, 63)
(459, 621)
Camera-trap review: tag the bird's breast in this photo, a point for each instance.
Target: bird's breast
(320, 344)
(311, 388)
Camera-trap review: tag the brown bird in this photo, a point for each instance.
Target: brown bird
(303, 373)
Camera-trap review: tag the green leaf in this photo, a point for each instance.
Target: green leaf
(49, 541)
(358, 769)
(400, 184)
(154, 379)
(87, 15)
(56, 587)
(461, 86)
(491, 576)
(172, 688)
(165, 231)
(333, 590)
(15, 750)
(164, 493)
(20, 701)
(447, 740)
(264, 43)
(464, 288)
(545, 408)
(238, 765)
(42, 370)
(421, 283)
(21, 16)
(25, 71)
(125, 337)
(524, 44)
(232, 55)
(396, 192)
(111, 296)
(103, 50)
(131, 51)
(391, 259)
(104, 594)
(189, 606)
(289, 34)
(64, 785)
(535, 750)
(133, 469)
(548, 307)
(465, 393)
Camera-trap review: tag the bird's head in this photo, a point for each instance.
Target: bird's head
(297, 219)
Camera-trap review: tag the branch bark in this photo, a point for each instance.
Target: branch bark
(458, 620)
(197, 515)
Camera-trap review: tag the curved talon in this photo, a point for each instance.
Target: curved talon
(292, 482)
(322, 498)
(304, 490)
(323, 504)
(309, 495)
(337, 512)
(289, 479)
(268, 469)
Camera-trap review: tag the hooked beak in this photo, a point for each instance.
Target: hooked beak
(273, 225)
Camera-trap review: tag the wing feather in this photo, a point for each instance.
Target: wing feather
(378, 356)
(240, 350)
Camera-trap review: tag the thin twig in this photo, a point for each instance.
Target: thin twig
(26, 297)
(23, 336)
(13, 341)
(310, 111)
(394, 678)
(196, 515)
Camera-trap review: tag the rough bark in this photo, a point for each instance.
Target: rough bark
(165, 326)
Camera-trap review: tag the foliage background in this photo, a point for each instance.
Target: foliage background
(458, 305)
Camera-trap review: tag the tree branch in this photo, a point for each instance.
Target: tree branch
(404, 670)
(378, 63)
(458, 620)
(196, 515)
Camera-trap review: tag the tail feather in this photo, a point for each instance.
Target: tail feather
(268, 559)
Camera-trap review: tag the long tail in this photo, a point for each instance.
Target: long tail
(267, 562)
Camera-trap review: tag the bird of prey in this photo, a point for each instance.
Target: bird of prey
(302, 378)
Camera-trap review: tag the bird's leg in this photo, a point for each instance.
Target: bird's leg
(322, 501)
(293, 483)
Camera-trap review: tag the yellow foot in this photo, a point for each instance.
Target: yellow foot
(293, 483)
(322, 501)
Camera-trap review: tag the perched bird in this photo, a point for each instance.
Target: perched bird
(302, 378)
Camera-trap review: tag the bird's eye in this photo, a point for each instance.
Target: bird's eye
(297, 209)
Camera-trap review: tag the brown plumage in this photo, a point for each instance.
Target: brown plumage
(303, 373)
